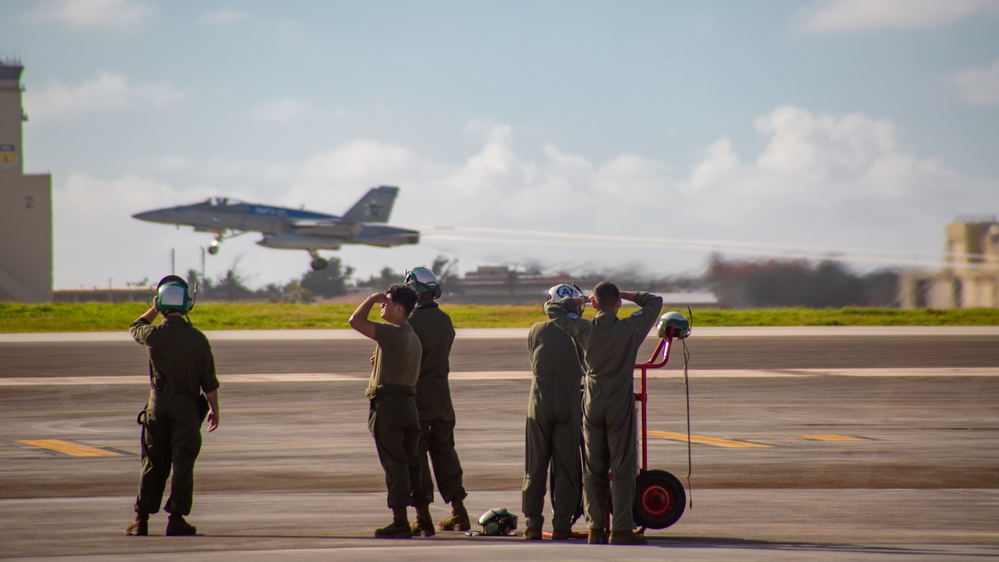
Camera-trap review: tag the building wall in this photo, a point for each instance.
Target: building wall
(971, 277)
(25, 205)
(25, 238)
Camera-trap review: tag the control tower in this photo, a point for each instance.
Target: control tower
(25, 203)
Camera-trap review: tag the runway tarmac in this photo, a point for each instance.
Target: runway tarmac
(820, 444)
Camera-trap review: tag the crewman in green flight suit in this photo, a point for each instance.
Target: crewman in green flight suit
(554, 418)
(181, 368)
(433, 400)
(610, 348)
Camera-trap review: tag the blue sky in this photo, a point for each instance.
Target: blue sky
(568, 135)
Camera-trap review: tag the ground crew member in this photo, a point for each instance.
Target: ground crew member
(433, 400)
(181, 368)
(554, 418)
(610, 348)
(392, 416)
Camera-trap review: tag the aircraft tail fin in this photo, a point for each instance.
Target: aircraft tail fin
(375, 206)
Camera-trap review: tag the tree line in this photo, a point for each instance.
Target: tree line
(334, 281)
(767, 283)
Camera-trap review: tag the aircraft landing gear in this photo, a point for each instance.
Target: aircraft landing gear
(318, 263)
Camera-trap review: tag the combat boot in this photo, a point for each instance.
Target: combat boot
(458, 521)
(423, 525)
(398, 528)
(140, 526)
(177, 526)
(561, 534)
(532, 534)
(394, 530)
(627, 537)
(597, 536)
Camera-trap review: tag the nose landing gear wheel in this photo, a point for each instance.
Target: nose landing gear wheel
(659, 499)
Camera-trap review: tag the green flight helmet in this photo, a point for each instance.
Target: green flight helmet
(422, 280)
(498, 521)
(673, 324)
(172, 295)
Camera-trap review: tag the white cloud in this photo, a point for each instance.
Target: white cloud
(842, 179)
(834, 181)
(980, 86)
(868, 15)
(93, 14)
(108, 91)
(221, 17)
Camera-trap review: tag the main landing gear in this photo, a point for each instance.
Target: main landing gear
(318, 263)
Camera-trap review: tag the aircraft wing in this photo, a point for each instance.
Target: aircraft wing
(333, 228)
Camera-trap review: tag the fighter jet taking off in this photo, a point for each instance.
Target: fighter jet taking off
(296, 229)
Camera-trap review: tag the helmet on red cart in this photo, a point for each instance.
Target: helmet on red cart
(673, 324)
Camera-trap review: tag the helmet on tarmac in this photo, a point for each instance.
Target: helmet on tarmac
(422, 280)
(673, 324)
(563, 290)
(498, 521)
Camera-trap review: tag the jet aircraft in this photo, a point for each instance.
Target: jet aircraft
(298, 229)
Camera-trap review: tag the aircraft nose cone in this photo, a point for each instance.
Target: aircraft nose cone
(150, 216)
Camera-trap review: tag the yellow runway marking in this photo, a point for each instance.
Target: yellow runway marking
(68, 448)
(716, 441)
(832, 438)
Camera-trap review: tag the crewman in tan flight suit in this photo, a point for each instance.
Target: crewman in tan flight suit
(181, 368)
(392, 416)
(610, 348)
(554, 418)
(433, 400)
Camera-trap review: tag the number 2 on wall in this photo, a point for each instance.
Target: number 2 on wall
(29, 202)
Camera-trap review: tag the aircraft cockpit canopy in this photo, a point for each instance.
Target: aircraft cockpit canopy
(221, 201)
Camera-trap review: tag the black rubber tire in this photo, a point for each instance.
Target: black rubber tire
(659, 499)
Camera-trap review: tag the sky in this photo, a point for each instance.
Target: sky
(560, 135)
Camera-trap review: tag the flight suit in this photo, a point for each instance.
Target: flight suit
(181, 367)
(610, 348)
(554, 417)
(433, 400)
(392, 416)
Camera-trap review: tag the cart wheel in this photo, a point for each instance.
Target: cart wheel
(659, 499)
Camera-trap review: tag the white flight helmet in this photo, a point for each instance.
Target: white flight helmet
(564, 290)
(673, 324)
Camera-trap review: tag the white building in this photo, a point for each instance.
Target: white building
(970, 278)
